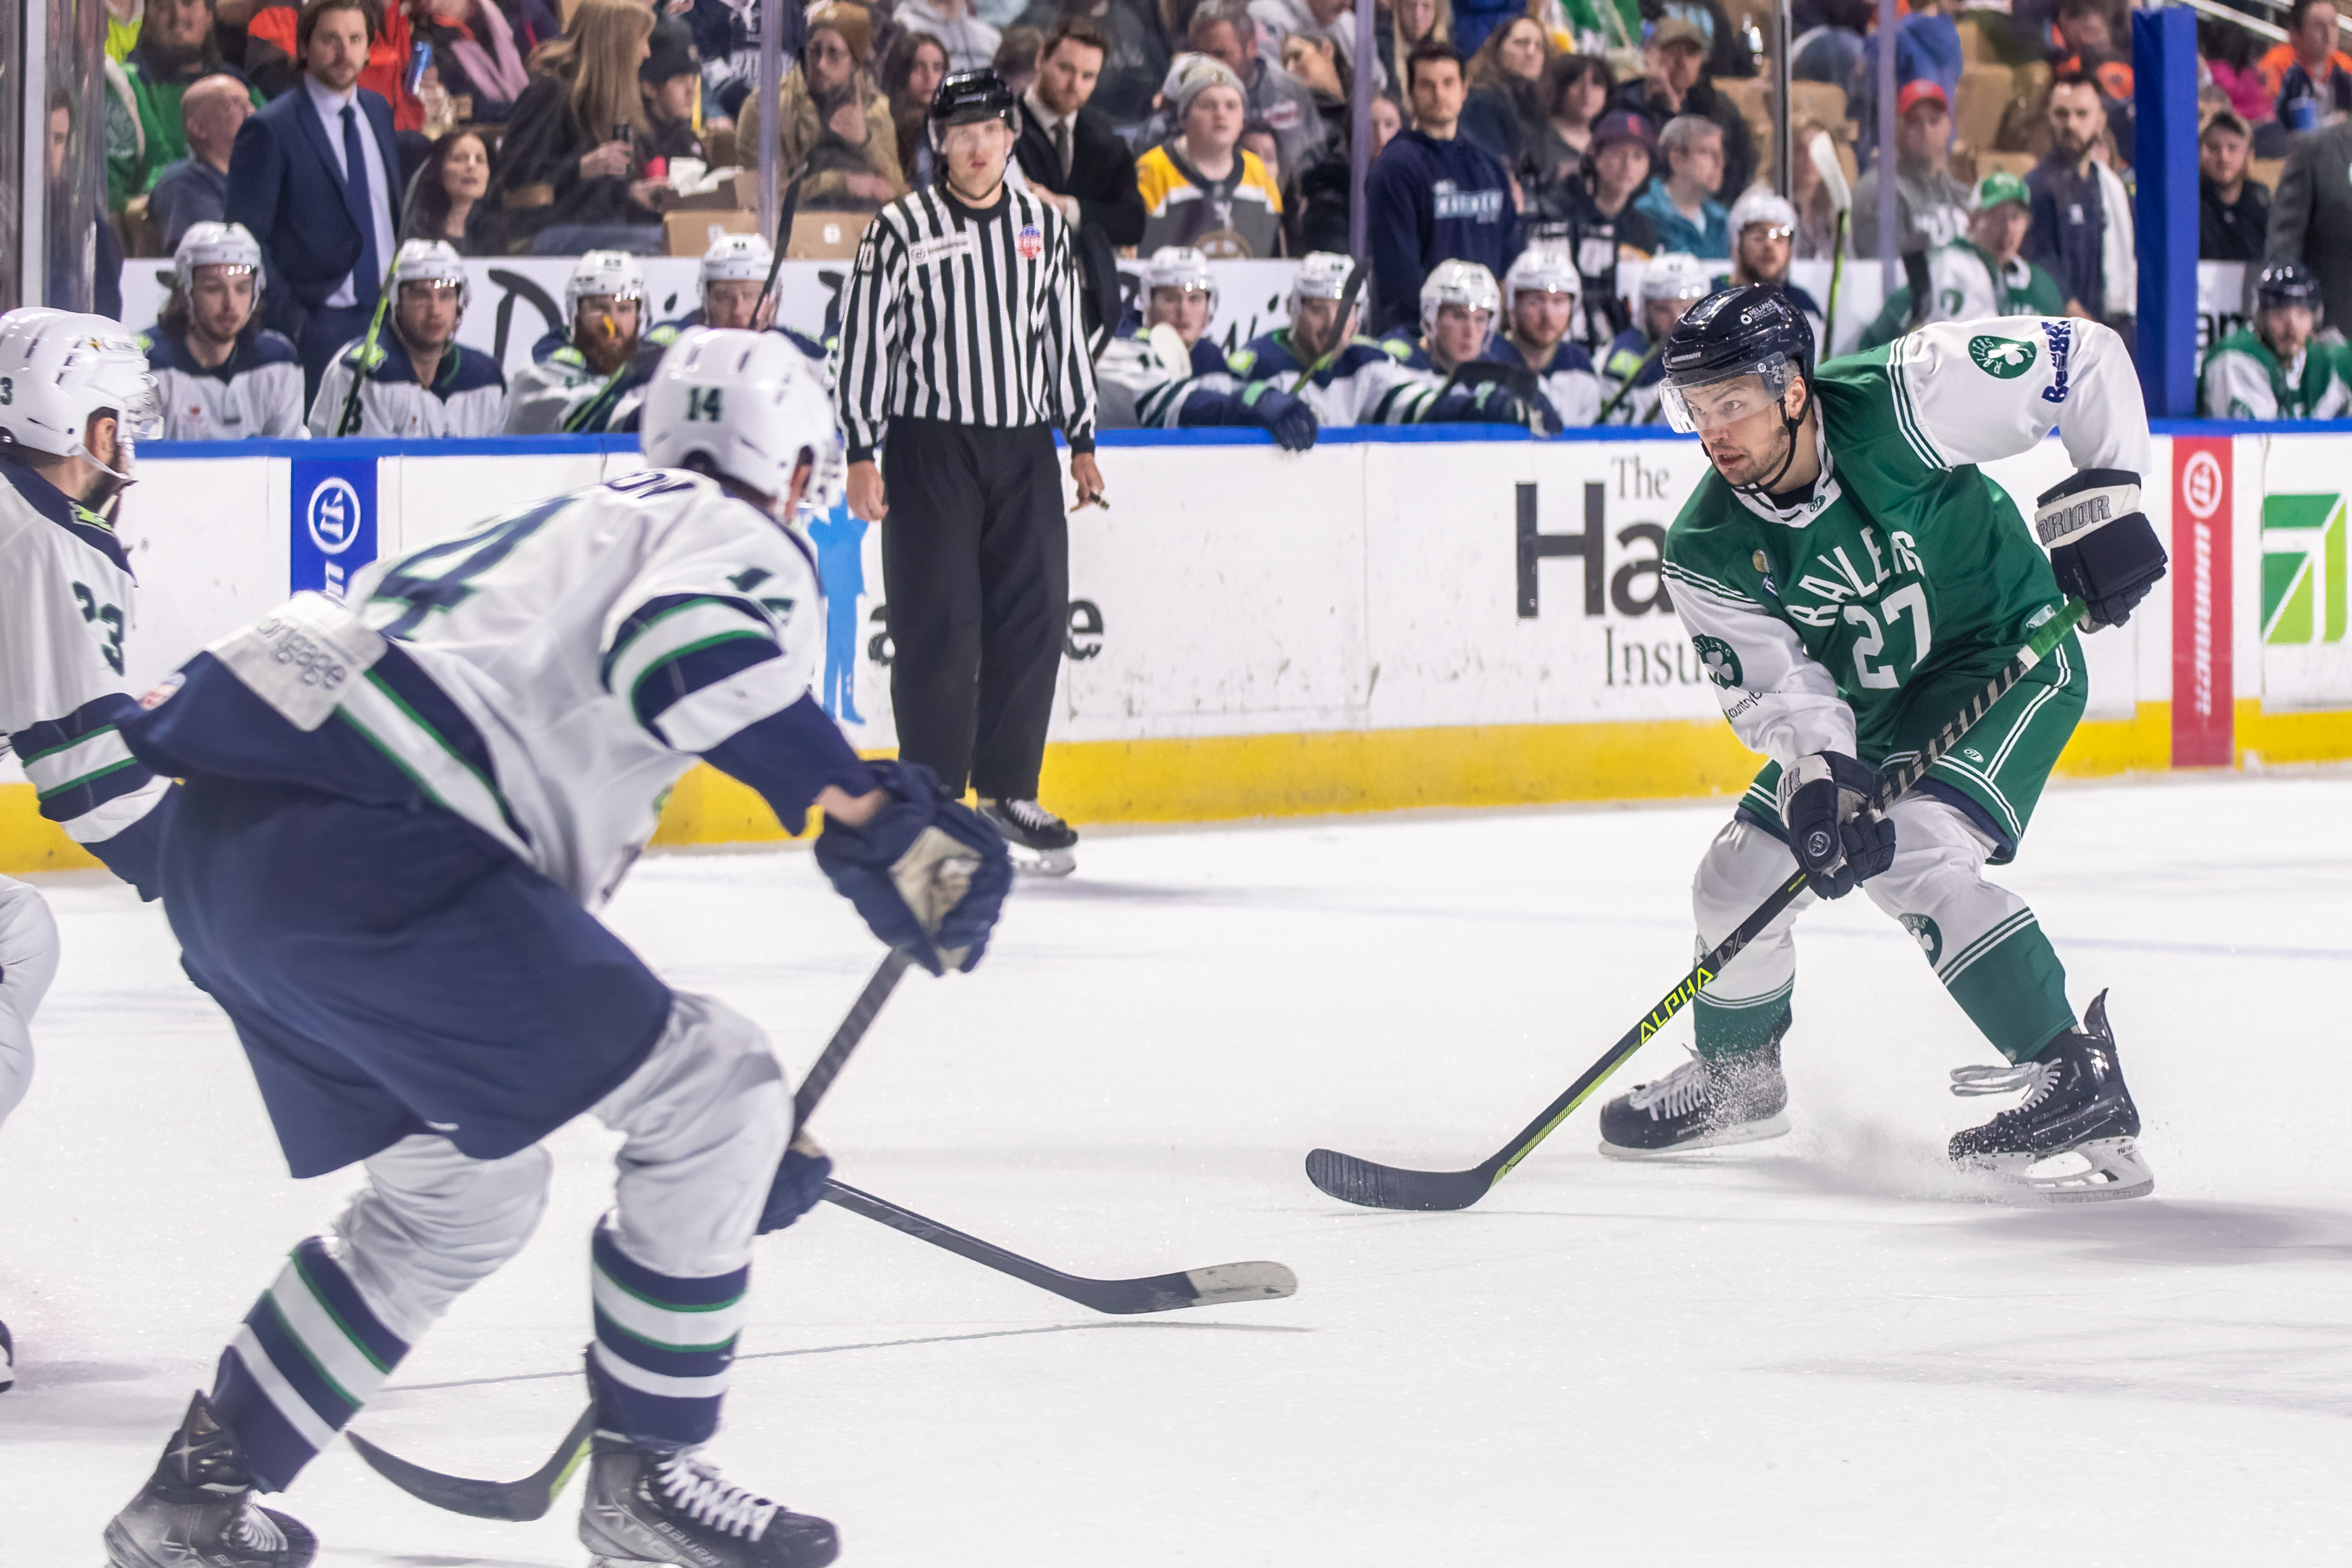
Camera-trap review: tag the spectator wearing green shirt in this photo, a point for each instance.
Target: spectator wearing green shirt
(1981, 274)
(176, 49)
(2272, 369)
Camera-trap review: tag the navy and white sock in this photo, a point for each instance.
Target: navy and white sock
(663, 1347)
(311, 1353)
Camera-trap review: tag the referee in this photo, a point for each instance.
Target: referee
(961, 348)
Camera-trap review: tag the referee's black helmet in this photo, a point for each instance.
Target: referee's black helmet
(965, 97)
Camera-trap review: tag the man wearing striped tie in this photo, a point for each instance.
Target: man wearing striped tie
(962, 350)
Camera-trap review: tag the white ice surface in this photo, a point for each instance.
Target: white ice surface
(1813, 1351)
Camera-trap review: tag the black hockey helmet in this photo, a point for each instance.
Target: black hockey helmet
(963, 98)
(2289, 283)
(1753, 330)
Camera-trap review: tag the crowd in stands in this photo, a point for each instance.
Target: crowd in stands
(1522, 150)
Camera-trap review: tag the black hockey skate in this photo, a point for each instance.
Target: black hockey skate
(2076, 1103)
(1039, 840)
(1701, 1104)
(7, 1360)
(649, 1507)
(197, 1509)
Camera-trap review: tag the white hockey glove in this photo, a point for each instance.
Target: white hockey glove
(1839, 842)
(2102, 546)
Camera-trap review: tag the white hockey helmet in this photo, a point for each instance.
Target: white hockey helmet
(1542, 269)
(1321, 275)
(735, 258)
(1464, 283)
(1179, 266)
(431, 261)
(215, 245)
(57, 369)
(1761, 203)
(749, 402)
(602, 274)
(1675, 275)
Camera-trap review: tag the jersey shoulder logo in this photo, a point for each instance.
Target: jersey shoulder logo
(2004, 359)
(1721, 659)
(1924, 932)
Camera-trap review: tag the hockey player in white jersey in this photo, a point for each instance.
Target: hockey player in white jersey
(1349, 380)
(1763, 224)
(1541, 294)
(398, 817)
(586, 375)
(1458, 302)
(729, 281)
(417, 381)
(75, 396)
(1630, 376)
(1163, 373)
(220, 376)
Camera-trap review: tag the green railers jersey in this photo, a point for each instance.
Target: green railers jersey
(1969, 286)
(1817, 614)
(2242, 379)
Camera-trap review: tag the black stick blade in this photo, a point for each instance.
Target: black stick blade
(1216, 1286)
(516, 1501)
(1372, 1186)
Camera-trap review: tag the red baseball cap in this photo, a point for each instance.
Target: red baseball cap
(1921, 90)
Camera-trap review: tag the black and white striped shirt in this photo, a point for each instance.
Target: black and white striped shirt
(966, 316)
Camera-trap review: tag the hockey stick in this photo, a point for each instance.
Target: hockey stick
(1217, 1285)
(532, 1496)
(1619, 395)
(348, 422)
(1348, 293)
(1374, 1185)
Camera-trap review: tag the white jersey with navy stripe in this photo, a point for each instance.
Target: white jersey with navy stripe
(597, 641)
(256, 391)
(67, 601)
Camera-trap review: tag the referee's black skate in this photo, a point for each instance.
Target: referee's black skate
(1039, 840)
(197, 1509)
(651, 1507)
(1702, 1104)
(2076, 1103)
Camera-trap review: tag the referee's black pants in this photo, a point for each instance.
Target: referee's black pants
(976, 570)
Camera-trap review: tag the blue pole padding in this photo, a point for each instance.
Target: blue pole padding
(2164, 158)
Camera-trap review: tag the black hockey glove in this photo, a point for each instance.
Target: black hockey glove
(1841, 844)
(928, 873)
(1293, 423)
(2101, 547)
(799, 1186)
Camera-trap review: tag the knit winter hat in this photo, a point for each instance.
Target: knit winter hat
(850, 20)
(1199, 76)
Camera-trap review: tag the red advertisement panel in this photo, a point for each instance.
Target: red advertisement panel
(2202, 686)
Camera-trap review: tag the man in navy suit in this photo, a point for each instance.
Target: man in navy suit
(312, 175)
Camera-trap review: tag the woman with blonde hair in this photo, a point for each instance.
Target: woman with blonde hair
(836, 134)
(570, 169)
(1409, 24)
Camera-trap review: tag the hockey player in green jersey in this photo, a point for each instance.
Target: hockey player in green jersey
(1981, 274)
(2273, 370)
(1851, 580)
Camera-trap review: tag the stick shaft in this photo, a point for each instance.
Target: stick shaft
(853, 1025)
(348, 422)
(1619, 395)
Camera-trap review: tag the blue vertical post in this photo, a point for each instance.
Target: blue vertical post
(2163, 71)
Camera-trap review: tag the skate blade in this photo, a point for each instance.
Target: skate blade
(1044, 862)
(1739, 1132)
(2112, 1171)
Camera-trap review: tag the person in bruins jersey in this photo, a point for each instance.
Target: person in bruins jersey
(1851, 580)
(2272, 369)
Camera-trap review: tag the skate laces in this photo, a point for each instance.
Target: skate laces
(1678, 1093)
(2037, 1078)
(697, 1489)
(1030, 815)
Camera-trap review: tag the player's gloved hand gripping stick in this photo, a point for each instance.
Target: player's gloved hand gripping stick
(1374, 1185)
